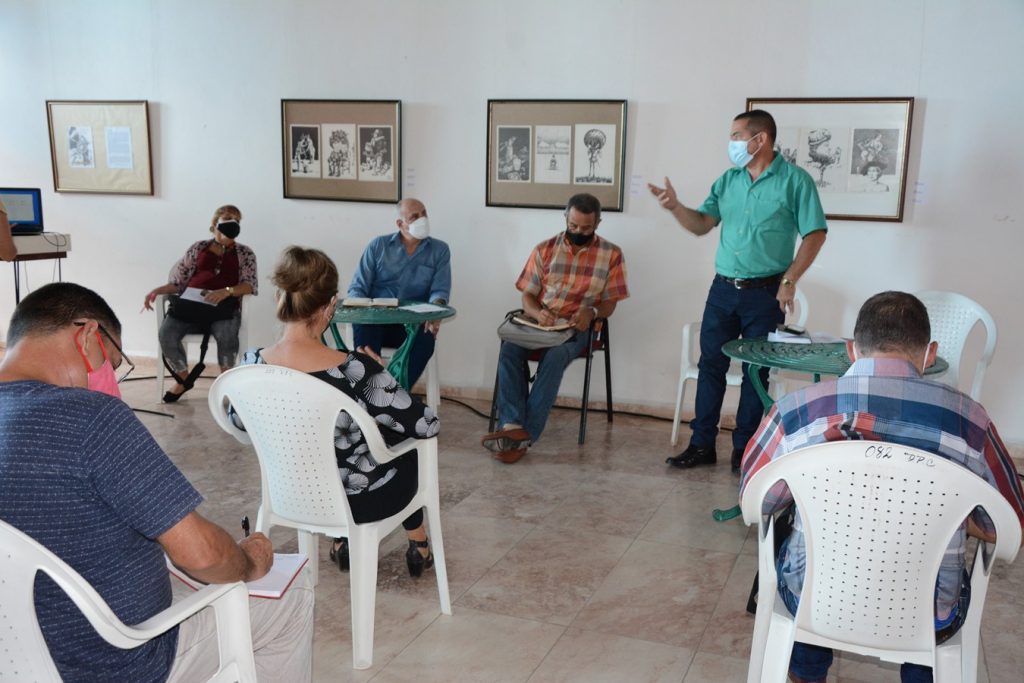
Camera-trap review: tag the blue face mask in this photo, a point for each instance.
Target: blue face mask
(738, 153)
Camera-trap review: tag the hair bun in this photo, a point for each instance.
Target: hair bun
(308, 280)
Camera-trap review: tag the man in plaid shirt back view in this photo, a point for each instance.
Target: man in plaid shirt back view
(573, 277)
(883, 397)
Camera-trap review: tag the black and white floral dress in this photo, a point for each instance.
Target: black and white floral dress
(374, 491)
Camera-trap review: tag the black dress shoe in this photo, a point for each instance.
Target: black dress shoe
(693, 456)
(737, 459)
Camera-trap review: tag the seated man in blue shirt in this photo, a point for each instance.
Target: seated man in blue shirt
(408, 264)
(81, 475)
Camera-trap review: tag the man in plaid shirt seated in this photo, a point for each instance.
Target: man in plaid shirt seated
(883, 397)
(575, 276)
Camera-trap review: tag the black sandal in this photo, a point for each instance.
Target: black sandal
(414, 558)
(171, 397)
(339, 553)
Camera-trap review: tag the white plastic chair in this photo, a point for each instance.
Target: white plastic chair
(26, 656)
(952, 318)
(688, 369)
(161, 312)
(289, 418)
(877, 518)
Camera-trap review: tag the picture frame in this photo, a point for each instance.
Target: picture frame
(855, 148)
(100, 146)
(541, 152)
(342, 150)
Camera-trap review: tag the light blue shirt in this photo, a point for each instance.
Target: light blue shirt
(386, 270)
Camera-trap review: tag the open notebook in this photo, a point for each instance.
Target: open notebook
(281, 575)
(360, 301)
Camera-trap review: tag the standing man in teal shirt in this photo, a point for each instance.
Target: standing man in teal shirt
(763, 203)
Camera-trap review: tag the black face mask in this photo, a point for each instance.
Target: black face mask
(229, 229)
(578, 238)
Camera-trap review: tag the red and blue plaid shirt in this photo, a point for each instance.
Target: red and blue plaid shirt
(884, 399)
(565, 278)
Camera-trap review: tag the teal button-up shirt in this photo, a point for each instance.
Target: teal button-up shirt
(760, 220)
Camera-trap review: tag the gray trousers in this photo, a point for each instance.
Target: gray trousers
(282, 637)
(224, 332)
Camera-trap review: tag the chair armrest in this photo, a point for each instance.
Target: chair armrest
(233, 596)
(398, 449)
(183, 609)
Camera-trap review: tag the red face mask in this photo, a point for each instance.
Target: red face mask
(101, 379)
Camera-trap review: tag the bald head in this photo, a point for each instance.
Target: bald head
(410, 209)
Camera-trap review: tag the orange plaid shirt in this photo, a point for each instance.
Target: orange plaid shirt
(564, 281)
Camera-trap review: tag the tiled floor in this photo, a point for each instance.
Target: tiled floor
(592, 563)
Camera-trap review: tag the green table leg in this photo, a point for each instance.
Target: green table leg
(766, 400)
(399, 365)
(755, 377)
(339, 343)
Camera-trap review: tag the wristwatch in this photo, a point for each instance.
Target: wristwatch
(786, 282)
(231, 291)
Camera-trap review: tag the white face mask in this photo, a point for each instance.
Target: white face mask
(420, 228)
(738, 153)
(924, 361)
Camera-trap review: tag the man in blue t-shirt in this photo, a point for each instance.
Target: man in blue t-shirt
(763, 204)
(81, 475)
(408, 264)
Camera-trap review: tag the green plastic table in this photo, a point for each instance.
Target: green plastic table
(813, 359)
(389, 315)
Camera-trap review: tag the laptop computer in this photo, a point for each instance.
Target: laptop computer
(24, 209)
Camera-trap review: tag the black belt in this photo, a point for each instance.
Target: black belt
(751, 283)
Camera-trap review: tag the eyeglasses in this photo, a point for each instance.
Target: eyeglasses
(124, 366)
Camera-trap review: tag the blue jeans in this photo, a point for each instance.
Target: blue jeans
(519, 404)
(811, 662)
(730, 313)
(378, 336)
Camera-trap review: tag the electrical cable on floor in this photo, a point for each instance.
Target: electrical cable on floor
(591, 410)
(455, 401)
(464, 405)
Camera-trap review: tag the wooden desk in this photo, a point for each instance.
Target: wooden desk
(42, 246)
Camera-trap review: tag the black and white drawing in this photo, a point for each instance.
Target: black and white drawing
(594, 161)
(305, 148)
(81, 153)
(339, 158)
(553, 144)
(376, 153)
(786, 143)
(821, 153)
(513, 157)
(875, 145)
(873, 179)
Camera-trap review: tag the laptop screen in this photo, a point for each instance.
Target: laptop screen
(24, 209)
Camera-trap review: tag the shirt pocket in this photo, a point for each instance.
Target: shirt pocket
(771, 214)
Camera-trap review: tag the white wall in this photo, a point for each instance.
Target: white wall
(215, 72)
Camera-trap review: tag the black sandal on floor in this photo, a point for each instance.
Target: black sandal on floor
(339, 553)
(171, 397)
(415, 560)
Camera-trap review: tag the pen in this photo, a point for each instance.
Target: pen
(245, 526)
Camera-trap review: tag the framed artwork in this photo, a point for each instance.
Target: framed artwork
(342, 150)
(541, 152)
(854, 148)
(100, 146)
